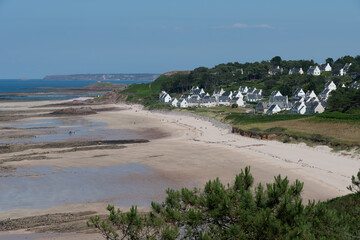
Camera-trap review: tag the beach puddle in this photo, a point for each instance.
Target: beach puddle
(45, 186)
(61, 129)
(33, 236)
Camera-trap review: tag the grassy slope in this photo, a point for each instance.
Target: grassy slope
(350, 205)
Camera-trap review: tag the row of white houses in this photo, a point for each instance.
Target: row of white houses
(198, 97)
(313, 70)
(301, 103)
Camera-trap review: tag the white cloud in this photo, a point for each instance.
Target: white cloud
(243, 25)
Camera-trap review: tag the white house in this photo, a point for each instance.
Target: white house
(345, 69)
(208, 101)
(273, 109)
(299, 93)
(182, 103)
(314, 107)
(218, 92)
(330, 85)
(325, 67)
(314, 70)
(275, 94)
(310, 94)
(174, 102)
(225, 98)
(237, 100)
(299, 108)
(164, 97)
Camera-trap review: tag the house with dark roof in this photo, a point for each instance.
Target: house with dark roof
(208, 101)
(218, 92)
(299, 93)
(296, 71)
(298, 108)
(325, 67)
(237, 100)
(225, 98)
(262, 107)
(343, 71)
(276, 70)
(273, 109)
(314, 70)
(164, 97)
(314, 107)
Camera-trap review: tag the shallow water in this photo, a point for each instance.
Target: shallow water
(45, 186)
(65, 129)
(33, 236)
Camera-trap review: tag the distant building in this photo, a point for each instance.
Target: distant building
(196, 91)
(174, 102)
(314, 107)
(330, 85)
(343, 71)
(182, 103)
(325, 67)
(298, 108)
(314, 70)
(262, 107)
(276, 70)
(299, 93)
(218, 92)
(296, 71)
(273, 109)
(237, 100)
(164, 97)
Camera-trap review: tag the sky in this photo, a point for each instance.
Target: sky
(44, 37)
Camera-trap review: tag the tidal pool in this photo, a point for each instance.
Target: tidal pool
(45, 186)
(64, 129)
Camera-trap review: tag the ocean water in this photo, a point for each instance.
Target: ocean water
(27, 86)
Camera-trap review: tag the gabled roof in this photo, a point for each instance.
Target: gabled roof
(271, 108)
(275, 93)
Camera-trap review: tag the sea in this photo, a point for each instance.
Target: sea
(9, 86)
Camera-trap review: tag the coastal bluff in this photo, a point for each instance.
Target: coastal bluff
(104, 77)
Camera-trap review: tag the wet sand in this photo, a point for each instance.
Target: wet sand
(187, 151)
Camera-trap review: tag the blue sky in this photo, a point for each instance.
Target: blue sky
(41, 37)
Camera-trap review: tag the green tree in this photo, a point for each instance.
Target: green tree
(276, 61)
(330, 61)
(236, 211)
(355, 183)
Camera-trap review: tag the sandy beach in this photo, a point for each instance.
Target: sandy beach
(185, 151)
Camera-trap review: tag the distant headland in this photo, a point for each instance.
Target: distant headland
(106, 77)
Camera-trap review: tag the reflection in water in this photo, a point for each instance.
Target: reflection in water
(45, 187)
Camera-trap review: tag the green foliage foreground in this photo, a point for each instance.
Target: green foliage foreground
(239, 211)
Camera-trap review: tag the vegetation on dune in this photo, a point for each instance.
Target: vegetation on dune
(236, 118)
(239, 211)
